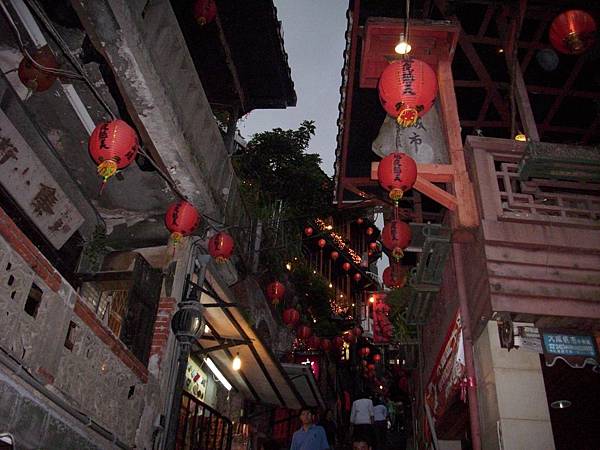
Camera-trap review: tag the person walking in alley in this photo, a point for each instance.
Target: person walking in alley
(361, 417)
(380, 415)
(309, 436)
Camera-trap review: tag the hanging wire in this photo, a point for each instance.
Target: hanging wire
(406, 29)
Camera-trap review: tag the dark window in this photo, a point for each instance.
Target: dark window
(34, 299)
(70, 338)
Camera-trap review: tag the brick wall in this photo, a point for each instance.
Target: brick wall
(166, 309)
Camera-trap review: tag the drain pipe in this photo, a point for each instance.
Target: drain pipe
(21, 371)
(457, 252)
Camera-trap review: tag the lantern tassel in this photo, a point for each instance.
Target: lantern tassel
(407, 118)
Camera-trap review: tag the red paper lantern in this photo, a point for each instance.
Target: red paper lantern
(572, 32)
(291, 316)
(397, 173)
(407, 90)
(322, 243)
(371, 367)
(325, 344)
(275, 292)
(395, 276)
(349, 337)
(364, 363)
(360, 221)
(357, 277)
(364, 351)
(369, 231)
(33, 77)
(334, 255)
(181, 219)
(376, 357)
(314, 342)
(346, 266)
(357, 331)
(205, 11)
(113, 146)
(338, 342)
(308, 231)
(374, 246)
(220, 247)
(396, 236)
(304, 332)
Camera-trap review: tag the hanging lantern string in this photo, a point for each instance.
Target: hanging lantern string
(406, 23)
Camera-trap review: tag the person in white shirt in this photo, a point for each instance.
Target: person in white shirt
(361, 417)
(380, 415)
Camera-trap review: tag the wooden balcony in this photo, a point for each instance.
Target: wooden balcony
(537, 251)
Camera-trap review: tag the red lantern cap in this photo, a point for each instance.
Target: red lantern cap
(397, 173)
(220, 247)
(113, 146)
(181, 219)
(396, 236)
(572, 32)
(407, 90)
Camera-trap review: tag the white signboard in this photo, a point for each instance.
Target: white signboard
(33, 188)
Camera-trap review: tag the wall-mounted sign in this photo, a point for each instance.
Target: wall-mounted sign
(576, 350)
(33, 188)
(195, 380)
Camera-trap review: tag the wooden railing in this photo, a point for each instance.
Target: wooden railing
(202, 427)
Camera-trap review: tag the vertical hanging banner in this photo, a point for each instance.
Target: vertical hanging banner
(448, 371)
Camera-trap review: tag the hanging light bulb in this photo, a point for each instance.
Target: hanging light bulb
(237, 363)
(403, 47)
(521, 137)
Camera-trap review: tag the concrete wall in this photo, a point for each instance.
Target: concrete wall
(512, 397)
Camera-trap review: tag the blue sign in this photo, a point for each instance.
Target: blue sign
(569, 345)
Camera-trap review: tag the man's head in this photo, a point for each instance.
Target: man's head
(306, 416)
(360, 443)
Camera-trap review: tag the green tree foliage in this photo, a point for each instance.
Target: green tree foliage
(275, 166)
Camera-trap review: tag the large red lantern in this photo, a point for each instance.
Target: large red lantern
(573, 32)
(181, 219)
(395, 276)
(396, 236)
(32, 76)
(205, 11)
(304, 332)
(407, 90)
(334, 255)
(338, 342)
(397, 173)
(308, 231)
(346, 266)
(275, 292)
(314, 342)
(325, 344)
(322, 243)
(220, 247)
(291, 316)
(373, 246)
(113, 146)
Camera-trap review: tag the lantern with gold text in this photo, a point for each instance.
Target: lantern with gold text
(291, 316)
(113, 146)
(275, 292)
(220, 247)
(181, 220)
(407, 90)
(205, 11)
(35, 77)
(572, 32)
(304, 332)
(397, 173)
(395, 276)
(396, 236)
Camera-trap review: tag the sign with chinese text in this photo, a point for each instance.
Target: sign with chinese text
(569, 345)
(33, 188)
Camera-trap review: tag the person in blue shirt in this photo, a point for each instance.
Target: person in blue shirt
(309, 436)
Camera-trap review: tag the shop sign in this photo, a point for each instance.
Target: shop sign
(195, 380)
(575, 350)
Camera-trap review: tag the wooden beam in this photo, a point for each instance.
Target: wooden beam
(436, 173)
(435, 193)
(231, 65)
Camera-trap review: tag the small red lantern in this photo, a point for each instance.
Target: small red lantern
(349, 337)
(357, 331)
(325, 344)
(304, 332)
(334, 255)
(220, 247)
(33, 77)
(357, 277)
(346, 266)
(397, 173)
(314, 342)
(360, 221)
(407, 90)
(364, 363)
(364, 351)
(275, 292)
(369, 231)
(308, 231)
(572, 32)
(376, 357)
(291, 316)
(181, 219)
(396, 236)
(113, 146)
(373, 246)
(205, 11)
(322, 243)
(338, 342)
(395, 276)
(371, 367)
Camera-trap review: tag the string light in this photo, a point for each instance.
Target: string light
(339, 241)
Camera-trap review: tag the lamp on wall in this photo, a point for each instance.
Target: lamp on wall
(403, 47)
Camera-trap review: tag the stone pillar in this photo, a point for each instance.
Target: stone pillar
(513, 404)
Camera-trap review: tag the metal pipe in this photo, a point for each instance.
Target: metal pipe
(184, 352)
(468, 344)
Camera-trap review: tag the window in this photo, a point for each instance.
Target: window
(34, 300)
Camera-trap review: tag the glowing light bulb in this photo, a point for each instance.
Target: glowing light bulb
(288, 266)
(372, 299)
(521, 137)
(403, 47)
(237, 363)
